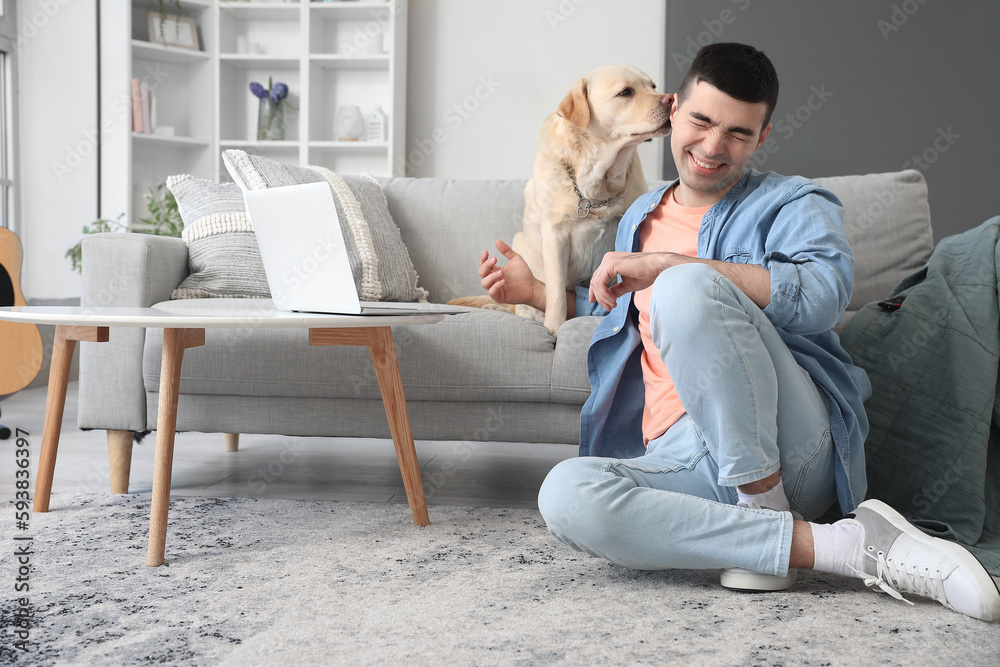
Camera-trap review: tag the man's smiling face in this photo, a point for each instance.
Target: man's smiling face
(714, 137)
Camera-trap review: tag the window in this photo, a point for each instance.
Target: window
(8, 115)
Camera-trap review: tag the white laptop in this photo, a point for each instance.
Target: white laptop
(305, 260)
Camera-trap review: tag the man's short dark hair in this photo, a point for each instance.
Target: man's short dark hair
(738, 70)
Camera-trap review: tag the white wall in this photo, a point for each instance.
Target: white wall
(484, 75)
(57, 107)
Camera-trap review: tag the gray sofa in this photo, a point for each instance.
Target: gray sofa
(482, 375)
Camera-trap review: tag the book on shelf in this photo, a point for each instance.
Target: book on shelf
(143, 107)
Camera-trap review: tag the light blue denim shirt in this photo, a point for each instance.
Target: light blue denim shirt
(793, 228)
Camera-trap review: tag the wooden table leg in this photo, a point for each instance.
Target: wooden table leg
(378, 340)
(55, 403)
(383, 353)
(174, 342)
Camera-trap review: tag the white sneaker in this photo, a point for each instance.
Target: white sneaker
(742, 579)
(899, 558)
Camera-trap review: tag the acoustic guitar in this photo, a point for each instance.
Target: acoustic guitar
(21, 348)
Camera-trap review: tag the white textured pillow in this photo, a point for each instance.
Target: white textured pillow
(222, 249)
(380, 262)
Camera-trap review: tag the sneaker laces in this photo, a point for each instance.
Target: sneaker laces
(898, 577)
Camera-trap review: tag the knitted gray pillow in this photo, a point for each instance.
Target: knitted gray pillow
(222, 249)
(379, 260)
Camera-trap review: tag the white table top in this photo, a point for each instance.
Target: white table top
(203, 313)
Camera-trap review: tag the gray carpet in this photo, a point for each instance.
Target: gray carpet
(264, 582)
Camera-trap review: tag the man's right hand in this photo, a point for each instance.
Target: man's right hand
(512, 283)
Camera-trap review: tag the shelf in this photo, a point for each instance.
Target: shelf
(351, 145)
(336, 61)
(264, 11)
(348, 11)
(258, 61)
(329, 54)
(165, 140)
(236, 143)
(166, 54)
(197, 5)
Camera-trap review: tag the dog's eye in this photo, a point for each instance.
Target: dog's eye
(627, 92)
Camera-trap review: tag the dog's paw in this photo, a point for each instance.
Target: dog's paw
(501, 307)
(529, 313)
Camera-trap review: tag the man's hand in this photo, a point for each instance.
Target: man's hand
(512, 283)
(638, 270)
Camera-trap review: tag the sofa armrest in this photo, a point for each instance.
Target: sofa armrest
(136, 270)
(131, 269)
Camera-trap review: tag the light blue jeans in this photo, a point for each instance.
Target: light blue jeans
(751, 411)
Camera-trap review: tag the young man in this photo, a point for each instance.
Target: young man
(716, 352)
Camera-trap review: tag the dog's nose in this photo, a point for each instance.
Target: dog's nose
(666, 99)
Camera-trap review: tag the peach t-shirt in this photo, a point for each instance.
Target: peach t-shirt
(670, 227)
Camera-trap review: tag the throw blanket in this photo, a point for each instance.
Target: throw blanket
(933, 452)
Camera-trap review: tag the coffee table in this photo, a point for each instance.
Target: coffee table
(184, 327)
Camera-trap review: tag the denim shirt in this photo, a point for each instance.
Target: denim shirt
(793, 228)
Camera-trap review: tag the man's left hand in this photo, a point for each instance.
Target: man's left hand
(637, 270)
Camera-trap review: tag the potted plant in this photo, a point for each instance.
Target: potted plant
(164, 219)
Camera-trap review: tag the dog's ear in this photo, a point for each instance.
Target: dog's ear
(575, 108)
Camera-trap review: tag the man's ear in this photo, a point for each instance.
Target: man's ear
(575, 108)
(763, 135)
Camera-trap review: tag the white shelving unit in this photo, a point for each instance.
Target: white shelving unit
(328, 53)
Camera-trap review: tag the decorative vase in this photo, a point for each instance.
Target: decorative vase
(349, 124)
(270, 120)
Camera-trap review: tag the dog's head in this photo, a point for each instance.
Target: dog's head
(618, 103)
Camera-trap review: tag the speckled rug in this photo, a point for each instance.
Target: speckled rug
(265, 582)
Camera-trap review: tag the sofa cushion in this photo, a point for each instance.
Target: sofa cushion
(464, 217)
(481, 355)
(379, 260)
(222, 249)
(570, 383)
(888, 224)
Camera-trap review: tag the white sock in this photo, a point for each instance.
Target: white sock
(772, 499)
(838, 547)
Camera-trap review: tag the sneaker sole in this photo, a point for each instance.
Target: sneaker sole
(746, 580)
(957, 551)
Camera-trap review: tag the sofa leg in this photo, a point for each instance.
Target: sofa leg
(232, 441)
(120, 459)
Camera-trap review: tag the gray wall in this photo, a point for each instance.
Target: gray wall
(870, 86)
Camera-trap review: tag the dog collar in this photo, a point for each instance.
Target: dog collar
(584, 205)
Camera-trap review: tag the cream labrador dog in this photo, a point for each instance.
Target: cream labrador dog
(586, 174)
